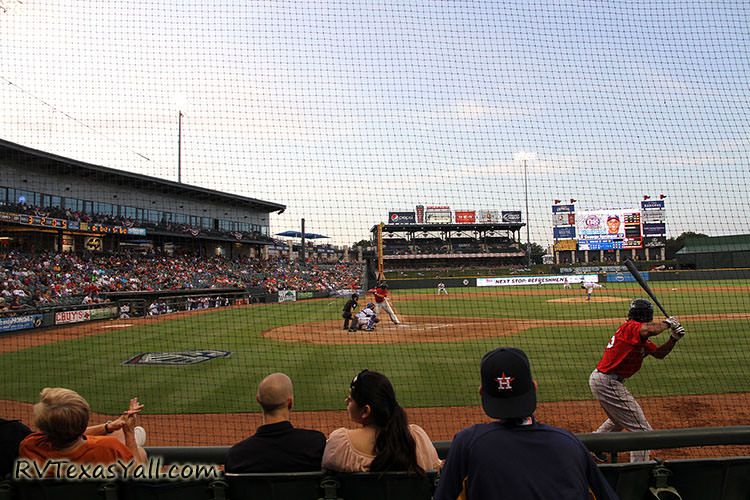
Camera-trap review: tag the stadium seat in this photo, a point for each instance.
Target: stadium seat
(631, 481)
(275, 486)
(49, 489)
(724, 478)
(166, 490)
(385, 486)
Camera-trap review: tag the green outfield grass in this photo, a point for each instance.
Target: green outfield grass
(713, 358)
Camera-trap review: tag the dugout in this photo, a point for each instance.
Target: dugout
(716, 252)
(52, 203)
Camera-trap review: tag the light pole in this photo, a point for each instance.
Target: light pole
(525, 156)
(179, 146)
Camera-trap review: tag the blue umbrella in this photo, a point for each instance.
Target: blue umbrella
(297, 234)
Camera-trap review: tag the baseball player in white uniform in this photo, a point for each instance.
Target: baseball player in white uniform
(589, 287)
(441, 288)
(366, 318)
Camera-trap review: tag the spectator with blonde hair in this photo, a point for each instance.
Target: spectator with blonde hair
(61, 420)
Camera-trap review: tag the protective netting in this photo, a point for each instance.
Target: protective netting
(517, 152)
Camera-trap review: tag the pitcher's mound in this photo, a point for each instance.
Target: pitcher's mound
(579, 300)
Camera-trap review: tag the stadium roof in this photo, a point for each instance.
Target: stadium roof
(716, 244)
(34, 158)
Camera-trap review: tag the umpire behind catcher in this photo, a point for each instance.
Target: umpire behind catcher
(622, 358)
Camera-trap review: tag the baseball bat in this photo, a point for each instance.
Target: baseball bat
(637, 275)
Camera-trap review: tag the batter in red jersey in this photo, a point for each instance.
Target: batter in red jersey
(381, 302)
(622, 359)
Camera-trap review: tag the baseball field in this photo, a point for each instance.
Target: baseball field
(432, 359)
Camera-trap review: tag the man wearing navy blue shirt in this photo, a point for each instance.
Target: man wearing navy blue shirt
(276, 445)
(516, 457)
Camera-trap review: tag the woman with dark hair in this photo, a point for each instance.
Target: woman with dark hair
(386, 441)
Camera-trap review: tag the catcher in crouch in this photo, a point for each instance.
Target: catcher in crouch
(365, 319)
(622, 359)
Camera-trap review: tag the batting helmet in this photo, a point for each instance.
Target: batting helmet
(641, 310)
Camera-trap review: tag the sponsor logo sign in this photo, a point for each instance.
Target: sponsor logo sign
(65, 317)
(659, 229)
(624, 277)
(465, 216)
(402, 218)
(420, 213)
(488, 216)
(511, 216)
(287, 295)
(556, 209)
(538, 280)
(438, 214)
(564, 232)
(304, 295)
(176, 358)
(652, 204)
(564, 219)
(93, 244)
(655, 242)
(20, 322)
(565, 245)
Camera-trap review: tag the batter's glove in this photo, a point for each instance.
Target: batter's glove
(678, 333)
(672, 322)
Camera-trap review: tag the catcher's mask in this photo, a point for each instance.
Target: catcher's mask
(641, 310)
(370, 305)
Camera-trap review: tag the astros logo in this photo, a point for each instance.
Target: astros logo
(504, 383)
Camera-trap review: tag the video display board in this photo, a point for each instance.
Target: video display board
(609, 229)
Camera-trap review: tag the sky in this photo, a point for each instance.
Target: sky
(345, 110)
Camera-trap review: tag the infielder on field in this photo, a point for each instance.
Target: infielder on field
(441, 288)
(381, 302)
(621, 360)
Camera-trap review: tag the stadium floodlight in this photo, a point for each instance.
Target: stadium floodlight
(180, 100)
(525, 157)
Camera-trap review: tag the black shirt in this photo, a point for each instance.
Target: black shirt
(12, 433)
(349, 306)
(277, 448)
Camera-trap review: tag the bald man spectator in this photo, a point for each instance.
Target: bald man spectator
(276, 445)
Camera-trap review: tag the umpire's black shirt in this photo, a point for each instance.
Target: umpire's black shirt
(277, 448)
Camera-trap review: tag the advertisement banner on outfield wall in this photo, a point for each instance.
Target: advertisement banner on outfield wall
(20, 323)
(402, 218)
(538, 280)
(512, 216)
(488, 216)
(66, 317)
(625, 277)
(465, 216)
(287, 296)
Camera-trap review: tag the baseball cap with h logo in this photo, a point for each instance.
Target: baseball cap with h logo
(507, 386)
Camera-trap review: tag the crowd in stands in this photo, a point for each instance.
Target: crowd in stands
(32, 281)
(116, 220)
(68, 214)
(513, 456)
